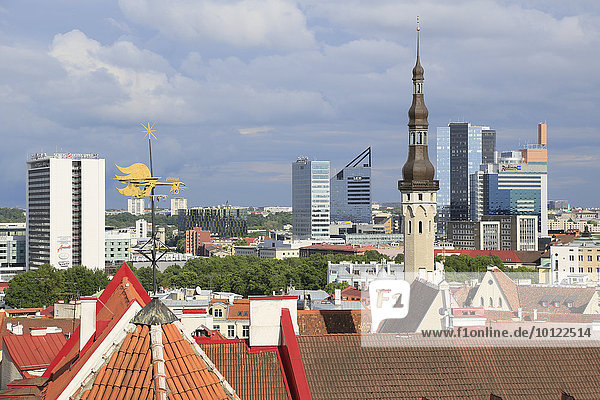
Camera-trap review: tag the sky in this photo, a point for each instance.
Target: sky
(239, 89)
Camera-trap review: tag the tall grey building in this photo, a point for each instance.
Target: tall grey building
(461, 149)
(310, 199)
(351, 190)
(65, 210)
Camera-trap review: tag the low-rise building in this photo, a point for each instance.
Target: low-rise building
(576, 263)
(361, 274)
(232, 320)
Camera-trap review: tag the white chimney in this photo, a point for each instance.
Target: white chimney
(338, 297)
(535, 314)
(87, 325)
(520, 313)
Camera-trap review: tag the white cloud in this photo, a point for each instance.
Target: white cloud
(256, 130)
(275, 24)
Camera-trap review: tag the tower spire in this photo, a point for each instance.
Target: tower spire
(417, 185)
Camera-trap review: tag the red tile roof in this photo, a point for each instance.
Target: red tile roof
(240, 309)
(129, 372)
(321, 322)
(508, 287)
(33, 352)
(254, 375)
(121, 292)
(339, 367)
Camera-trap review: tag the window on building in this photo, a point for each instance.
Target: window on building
(217, 327)
(499, 301)
(571, 258)
(409, 227)
(230, 331)
(245, 331)
(491, 302)
(590, 269)
(580, 258)
(420, 227)
(572, 269)
(589, 258)
(420, 196)
(218, 313)
(581, 269)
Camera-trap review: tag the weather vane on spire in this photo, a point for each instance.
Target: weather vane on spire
(141, 182)
(418, 24)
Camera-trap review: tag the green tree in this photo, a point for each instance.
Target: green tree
(83, 281)
(180, 246)
(35, 288)
(330, 287)
(400, 258)
(12, 215)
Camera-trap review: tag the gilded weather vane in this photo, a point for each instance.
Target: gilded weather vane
(139, 179)
(141, 182)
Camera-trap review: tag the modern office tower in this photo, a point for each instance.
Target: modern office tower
(65, 210)
(351, 190)
(136, 206)
(418, 187)
(519, 184)
(461, 149)
(222, 221)
(310, 199)
(178, 203)
(495, 232)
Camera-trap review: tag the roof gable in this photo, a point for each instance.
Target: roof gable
(422, 296)
(131, 371)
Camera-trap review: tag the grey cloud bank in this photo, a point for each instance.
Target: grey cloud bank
(241, 88)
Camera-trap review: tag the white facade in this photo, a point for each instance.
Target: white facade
(310, 199)
(178, 203)
(142, 227)
(574, 264)
(136, 206)
(65, 210)
(363, 274)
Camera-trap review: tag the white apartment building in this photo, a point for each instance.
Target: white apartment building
(362, 274)
(65, 210)
(310, 199)
(178, 203)
(574, 264)
(136, 206)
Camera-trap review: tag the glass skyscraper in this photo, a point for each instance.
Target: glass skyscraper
(461, 149)
(310, 199)
(351, 191)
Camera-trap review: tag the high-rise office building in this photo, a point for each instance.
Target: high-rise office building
(136, 206)
(310, 199)
(65, 210)
(461, 149)
(351, 190)
(178, 203)
(222, 221)
(517, 184)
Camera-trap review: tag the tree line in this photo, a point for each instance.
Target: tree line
(250, 275)
(47, 285)
(12, 215)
